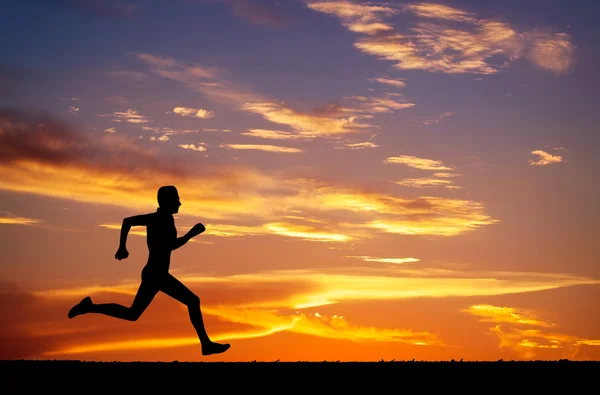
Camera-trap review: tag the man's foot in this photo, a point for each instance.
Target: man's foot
(214, 348)
(81, 308)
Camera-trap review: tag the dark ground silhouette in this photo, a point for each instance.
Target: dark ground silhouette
(161, 236)
(396, 377)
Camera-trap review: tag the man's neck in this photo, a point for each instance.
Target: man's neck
(163, 211)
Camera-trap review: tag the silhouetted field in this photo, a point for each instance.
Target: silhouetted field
(402, 376)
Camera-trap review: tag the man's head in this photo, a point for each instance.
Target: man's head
(168, 199)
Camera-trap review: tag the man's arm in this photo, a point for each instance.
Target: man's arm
(180, 241)
(195, 231)
(136, 220)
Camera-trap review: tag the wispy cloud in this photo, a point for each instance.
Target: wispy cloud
(274, 134)
(268, 323)
(433, 121)
(386, 260)
(425, 182)
(418, 163)
(306, 124)
(9, 218)
(528, 342)
(439, 11)
(110, 130)
(544, 158)
(169, 131)
(261, 147)
(43, 156)
(312, 288)
(495, 314)
(377, 104)
(447, 39)
(356, 146)
(390, 81)
(294, 294)
(360, 18)
(193, 147)
(130, 116)
(193, 112)
(301, 291)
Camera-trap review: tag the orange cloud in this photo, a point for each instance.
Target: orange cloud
(469, 45)
(311, 288)
(355, 146)
(439, 11)
(309, 125)
(386, 260)
(12, 219)
(193, 112)
(489, 313)
(42, 156)
(418, 163)
(304, 124)
(261, 147)
(390, 81)
(130, 116)
(269, 322)
(274, 134)
(249, 300)
(423, 182)
(545, 158)
(522, 340)
(200, 147)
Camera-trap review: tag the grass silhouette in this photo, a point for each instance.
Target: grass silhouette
(361, 377)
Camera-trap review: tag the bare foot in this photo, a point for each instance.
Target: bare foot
(214, 348)
(81, 308)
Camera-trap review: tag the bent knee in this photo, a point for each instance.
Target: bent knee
(193, 301)
(134, 315)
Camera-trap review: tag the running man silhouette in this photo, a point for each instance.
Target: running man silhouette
(161, 236)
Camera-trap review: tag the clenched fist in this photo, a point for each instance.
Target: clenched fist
(122, 253)
(197, 229)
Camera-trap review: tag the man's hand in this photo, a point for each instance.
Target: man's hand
(197, 229)
(122, 253)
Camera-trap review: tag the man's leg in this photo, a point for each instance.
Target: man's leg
(175, 289)
(144, 296)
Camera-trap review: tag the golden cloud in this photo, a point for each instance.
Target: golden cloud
(418, 163)
(304, 289)
(261, 147)
(9, 218)
(200, 147)
(307, 125)
(436, 46)
(208, 81)
(489, 313)
(423, 182)
(390, 81)
(193, 112)
(545, 158)
(429, 10)
(522, 340)
(269, 322)
(41, 156)
(312, 288)
(130, 116)
(274, 134)
(386, 260)
(355, 146)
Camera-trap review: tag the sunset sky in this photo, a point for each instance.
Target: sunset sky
(378, 180)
